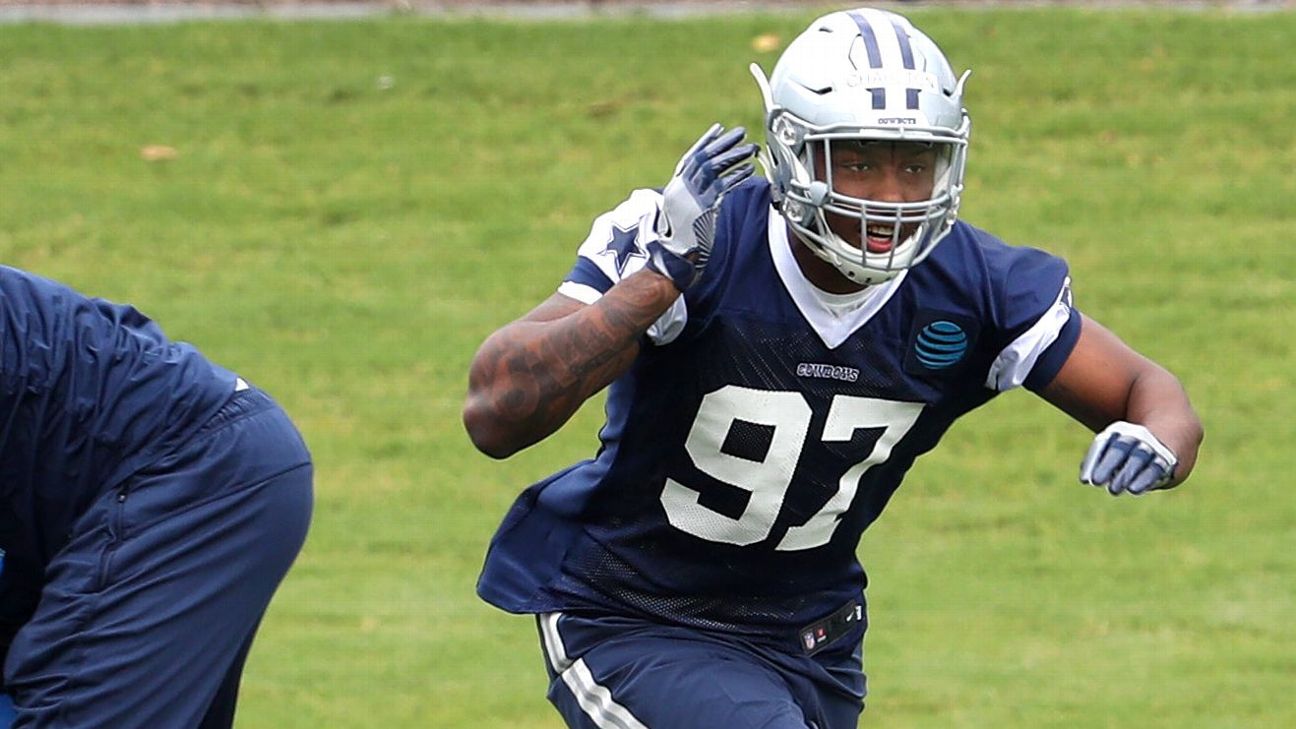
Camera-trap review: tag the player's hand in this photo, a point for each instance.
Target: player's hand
(1127, 457)
(685, 224)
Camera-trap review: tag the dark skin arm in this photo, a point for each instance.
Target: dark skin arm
(530, 376)
(1104, 380)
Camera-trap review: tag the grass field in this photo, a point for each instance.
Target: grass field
(351, 208)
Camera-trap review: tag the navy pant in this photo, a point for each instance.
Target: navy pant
(147, 614)
(624, 673)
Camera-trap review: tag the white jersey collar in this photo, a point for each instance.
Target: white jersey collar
(832, 327)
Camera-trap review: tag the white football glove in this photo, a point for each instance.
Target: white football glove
(685, 224)
(1127, 457)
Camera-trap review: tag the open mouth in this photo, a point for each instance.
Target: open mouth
(879, 238)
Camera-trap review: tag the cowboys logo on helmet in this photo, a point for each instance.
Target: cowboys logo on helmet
(852, 84)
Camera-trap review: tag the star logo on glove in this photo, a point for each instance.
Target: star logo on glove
(624, 246)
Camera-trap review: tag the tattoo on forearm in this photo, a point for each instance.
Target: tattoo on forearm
(542, 377)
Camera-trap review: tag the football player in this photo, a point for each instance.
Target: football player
(151, 502)
(778, 353)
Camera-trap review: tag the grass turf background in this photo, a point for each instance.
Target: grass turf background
(352, 207)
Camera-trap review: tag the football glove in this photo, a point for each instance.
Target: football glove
(685, 223)
(1127, 457)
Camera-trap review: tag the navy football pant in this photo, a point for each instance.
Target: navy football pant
(622, 673)
(147, 614)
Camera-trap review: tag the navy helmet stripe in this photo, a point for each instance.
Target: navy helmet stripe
(906, 51)
(874, 55)
(906, 55)
(870, 40)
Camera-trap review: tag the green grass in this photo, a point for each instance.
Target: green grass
(355, 206)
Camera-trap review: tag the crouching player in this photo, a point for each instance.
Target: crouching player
(150, 503)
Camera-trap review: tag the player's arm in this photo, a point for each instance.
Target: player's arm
(530, 377)
(1149, 433)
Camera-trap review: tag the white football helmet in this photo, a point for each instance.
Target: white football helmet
(855, 77)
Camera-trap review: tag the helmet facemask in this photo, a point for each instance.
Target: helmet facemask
(882, 237)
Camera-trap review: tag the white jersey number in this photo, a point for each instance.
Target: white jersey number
(788, 415)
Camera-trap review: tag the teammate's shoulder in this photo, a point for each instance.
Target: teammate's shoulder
(17, 283)
(9, 274)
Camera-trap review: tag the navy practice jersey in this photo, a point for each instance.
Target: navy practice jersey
(765, 424)
(90, 392)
